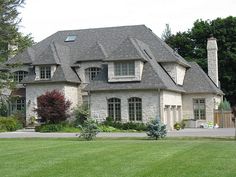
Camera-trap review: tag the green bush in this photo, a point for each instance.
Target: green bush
(177, 126)
(125, 126)
(156, 129)
(224, 106)
(81, 114)
(49, 128)
(107, 128)
(9, 124)
(89, 130)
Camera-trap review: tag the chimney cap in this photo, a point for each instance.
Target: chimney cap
(211, 37)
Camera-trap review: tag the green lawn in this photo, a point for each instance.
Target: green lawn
(119, 157)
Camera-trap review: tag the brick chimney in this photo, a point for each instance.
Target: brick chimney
(212, 58)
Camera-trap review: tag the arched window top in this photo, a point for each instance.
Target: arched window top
(91, 73)
(135, 99)
(19, 75)
(114, 100)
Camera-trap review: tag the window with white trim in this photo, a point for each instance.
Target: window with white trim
(91, 73)
(45, 72)
(124, 68)
(114, 108)
(135, 109)
(199, 109)
(19, 76)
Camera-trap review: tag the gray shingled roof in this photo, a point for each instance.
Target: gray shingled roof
(49, 56)
(126, 42)
(197, 81)
(129, 49)
(94, 53)
(153, 77)
(26, 57)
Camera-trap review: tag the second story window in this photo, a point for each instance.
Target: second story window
(124, 69)
(91, 73)
(19, 76)
(45, 72)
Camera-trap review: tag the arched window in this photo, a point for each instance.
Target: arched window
(114, 108)
(91, 73)
(135, 109)
(19, 76)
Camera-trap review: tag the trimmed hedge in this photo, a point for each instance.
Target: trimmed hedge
(126, 126)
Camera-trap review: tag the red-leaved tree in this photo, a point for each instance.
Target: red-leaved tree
(53, 107)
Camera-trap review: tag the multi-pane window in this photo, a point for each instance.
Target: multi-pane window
(124, 69)
(18, 105)
(199, 109)
(114, 108)
(91, 73)
(135, 109)
(19, 76)
(45, 72)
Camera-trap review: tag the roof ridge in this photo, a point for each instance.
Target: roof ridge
(94, 28)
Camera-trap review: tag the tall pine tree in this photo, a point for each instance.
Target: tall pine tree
(9, 29)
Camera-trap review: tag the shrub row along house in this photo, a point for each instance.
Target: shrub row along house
(126, 73)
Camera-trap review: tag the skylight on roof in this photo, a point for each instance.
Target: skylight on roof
(70, 38)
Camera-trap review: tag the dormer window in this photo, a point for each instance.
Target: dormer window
(45, 72)
(124, 68)
(91, 73)
(19, 76)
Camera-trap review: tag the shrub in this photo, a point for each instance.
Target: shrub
(20, 117)
(177, 126)
(107, 128)
(3, 108)
(224, 106)
(156, 129)
(89, 130)
(9, 124)
(125, 126)
(53, 107)
(81, 114)
(49, 128)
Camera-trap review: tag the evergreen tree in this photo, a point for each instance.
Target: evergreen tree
(191, 45)
(9, 29)
(166, 33)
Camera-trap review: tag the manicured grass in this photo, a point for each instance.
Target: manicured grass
(117, 157)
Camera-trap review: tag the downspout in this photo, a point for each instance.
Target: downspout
(89, 102)
(159, 103)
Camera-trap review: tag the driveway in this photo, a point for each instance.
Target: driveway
(221, 132)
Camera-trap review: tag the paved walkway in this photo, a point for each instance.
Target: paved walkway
(221, 132)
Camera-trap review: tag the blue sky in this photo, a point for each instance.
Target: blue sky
(45, 17)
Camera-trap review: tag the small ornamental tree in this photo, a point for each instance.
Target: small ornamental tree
(156, 129)
(53, 107)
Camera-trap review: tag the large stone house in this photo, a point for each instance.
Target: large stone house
(127, 73)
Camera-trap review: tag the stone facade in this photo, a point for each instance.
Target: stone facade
(171, 108)
(212, 60)
(35, 90)
(211, 102)
(176, 72)
(150, 104)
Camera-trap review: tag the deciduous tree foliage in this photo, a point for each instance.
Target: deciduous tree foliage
(191, 45)
(53, 107)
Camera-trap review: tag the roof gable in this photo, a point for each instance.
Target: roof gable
(128, 49)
